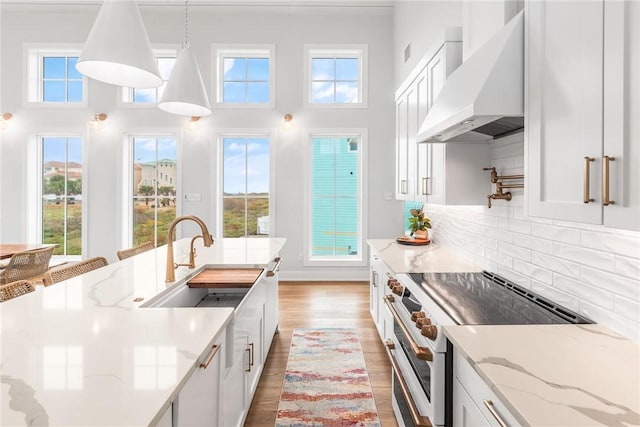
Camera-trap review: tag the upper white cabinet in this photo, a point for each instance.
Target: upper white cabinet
(583, 88)
(413, 100)
(481, 19)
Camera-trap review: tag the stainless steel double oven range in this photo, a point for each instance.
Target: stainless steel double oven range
(419, 305)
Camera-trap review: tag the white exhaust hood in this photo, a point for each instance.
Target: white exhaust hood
(484, 97)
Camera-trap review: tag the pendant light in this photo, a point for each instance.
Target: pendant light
(185, 94)
(117, 50)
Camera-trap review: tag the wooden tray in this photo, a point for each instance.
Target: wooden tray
(412, 242)
(226, 278)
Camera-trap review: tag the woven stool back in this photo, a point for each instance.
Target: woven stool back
(127, 253)
(15, 289)
(73, 270)
(27, 264)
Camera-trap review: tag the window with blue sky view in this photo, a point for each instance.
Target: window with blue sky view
(245, 80)
(335, 80)
(246, 183)
(153, 95)
(61, 82)
(335, 197)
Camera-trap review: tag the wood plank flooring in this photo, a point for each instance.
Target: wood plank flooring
(317, 305)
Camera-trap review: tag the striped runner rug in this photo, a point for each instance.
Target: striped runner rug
(326, 381)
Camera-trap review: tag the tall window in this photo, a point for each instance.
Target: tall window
(245, 186)
(53, 77)
(165, 59)
(336, 218)
(154, 188)
(336, 76)
(62, 194)
(245, 76)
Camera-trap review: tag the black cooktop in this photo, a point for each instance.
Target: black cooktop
(488, 299)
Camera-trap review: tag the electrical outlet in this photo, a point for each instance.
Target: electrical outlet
(388, 196)
(192, 197)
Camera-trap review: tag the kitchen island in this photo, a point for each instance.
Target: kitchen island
(84, 352)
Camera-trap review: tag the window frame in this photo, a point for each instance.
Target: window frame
(219, 177)
(350, 261)
(128, 177)
(126, 94)
(360, 51)
(221, 50)
(33, 90)
(34, 171)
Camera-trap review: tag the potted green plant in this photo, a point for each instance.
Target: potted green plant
(418, 224)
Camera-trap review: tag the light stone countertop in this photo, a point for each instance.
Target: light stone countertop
(556, 375)
(83, 353)
(431, 258)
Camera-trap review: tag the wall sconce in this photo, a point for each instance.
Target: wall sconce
(97, 123)
(287, 123)
(193, 123)
(4, 121)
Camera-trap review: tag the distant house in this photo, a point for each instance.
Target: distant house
(162, 173)
(71, 170)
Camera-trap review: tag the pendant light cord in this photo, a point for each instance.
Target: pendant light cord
(186, 25)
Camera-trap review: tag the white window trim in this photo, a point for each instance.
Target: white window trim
(32, 54)
(361, 51)
(361, 259)
(220, 50)
(127, 183)
(126, 93)
(219, 177)
(34, 186)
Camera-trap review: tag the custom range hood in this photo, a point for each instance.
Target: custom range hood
(484, 97)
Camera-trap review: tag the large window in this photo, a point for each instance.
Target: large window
(245, 76)
(52, 76)
(245, 186)
(335, 183)
(336, 76)
(153, 187)
(165, 59)
(62, 193)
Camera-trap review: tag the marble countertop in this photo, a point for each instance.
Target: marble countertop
(430, 258)
(82, 352)
(561, 375)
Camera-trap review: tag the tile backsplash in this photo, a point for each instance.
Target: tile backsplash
(590, 269)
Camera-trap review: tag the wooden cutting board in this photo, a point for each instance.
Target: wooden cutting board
(226, 278)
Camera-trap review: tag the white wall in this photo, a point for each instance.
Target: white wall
(288, 29)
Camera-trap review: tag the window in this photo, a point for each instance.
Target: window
(336, 76)
(245, 76)
(408, 205)
(166, 59)
(153, 188)
(245, 186)
(53, 77)
(336, 219)
(61, 197)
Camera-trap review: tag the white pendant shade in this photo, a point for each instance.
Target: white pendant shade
(117, 50)
(185, 93)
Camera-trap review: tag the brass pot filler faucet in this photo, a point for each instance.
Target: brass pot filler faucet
(497, 180)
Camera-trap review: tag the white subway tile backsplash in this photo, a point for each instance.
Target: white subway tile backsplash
(583, 291)
(498, 235)
(514, 251)
(499, 258)
(535, 272)
(519, 226)
(555, 264)
(620, 324)
(619, 285)
(516, 278)
(581, 255)
(621, 245)
(559, 234)
(555, 295)
(533, 243)
(627, 308)
(629, 267)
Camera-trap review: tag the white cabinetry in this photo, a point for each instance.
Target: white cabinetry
(474, 404)
(271, 282)
(413, 99)
(376, 291)
(583, 104)
(481, 19)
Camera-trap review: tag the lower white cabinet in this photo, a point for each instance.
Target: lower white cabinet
(198, 403)
(474, 404)
(167, 418)
(376, 282)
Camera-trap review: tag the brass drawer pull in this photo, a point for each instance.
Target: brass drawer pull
(605, 180)
(213, 353)
(489, 404)
(425, 191)
(403, 186)
(421, 353)
(275, 268)
(586, 174)
(418, 420)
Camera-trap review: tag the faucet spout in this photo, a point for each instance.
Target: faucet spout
(206, 237)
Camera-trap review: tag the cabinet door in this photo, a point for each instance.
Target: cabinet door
(234, 404)
(423, 151)
(565, 75)
(271, 306)
(621, 112)
(376, 282)
(199, 400)
(465, 411)
(402, 154)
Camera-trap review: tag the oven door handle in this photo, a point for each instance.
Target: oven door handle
(422, 353)
(418, 420)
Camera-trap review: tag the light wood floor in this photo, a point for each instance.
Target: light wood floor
(317, 305)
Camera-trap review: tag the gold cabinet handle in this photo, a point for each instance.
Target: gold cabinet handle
(275, 268)
(489, 404)
(213, 353)
(605, 180)
(586, 174)
(418, 420)
(251, 352)
(375, 279)
(403, 186)
(422, 353)
(249, 365)
(425, 182)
